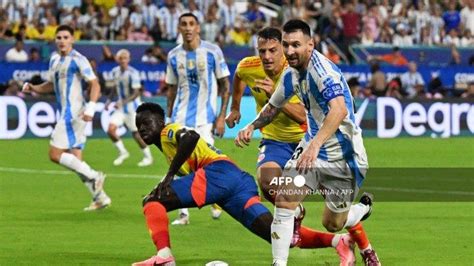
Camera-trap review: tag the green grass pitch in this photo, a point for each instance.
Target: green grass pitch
(42, 222)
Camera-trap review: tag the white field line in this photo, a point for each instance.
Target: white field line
(117, 175)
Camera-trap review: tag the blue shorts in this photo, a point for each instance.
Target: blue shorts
(221, 182)
(275, 151)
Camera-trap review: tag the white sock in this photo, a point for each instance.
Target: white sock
(120, 146)
(164, 252)
(184, 212)
(147, 152)
(282, 232)
(335, 240)
(80, 167)
(356, 213)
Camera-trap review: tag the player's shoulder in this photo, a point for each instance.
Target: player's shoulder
(175, 50)
(250, 62)
(133, 70)
(210, 46)
(77, 56)
(116, 69)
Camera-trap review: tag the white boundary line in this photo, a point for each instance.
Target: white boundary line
(157, 177)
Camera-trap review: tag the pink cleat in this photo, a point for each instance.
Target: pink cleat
(345, 250)
(295, 240)
(157, 261)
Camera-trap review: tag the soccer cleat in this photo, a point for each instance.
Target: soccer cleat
(182, 220)
(102, 201)
(296, 228)
(122, 157)
(216, 211)
(367, 199)
(370, 258)
(145, 162)
(98, 184)
(157, 261)
(345, 250)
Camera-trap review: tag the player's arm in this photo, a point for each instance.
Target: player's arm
(337, 113)
(238, 87)
(94, 88)
(223, 88)
(265, 117)
(45, 87)
(171, 96)
(295, 111)
(186, 143)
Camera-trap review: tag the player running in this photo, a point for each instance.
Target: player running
(128, 89)
(67, 69)
(281, 137)
(332, 150)
(196, 74)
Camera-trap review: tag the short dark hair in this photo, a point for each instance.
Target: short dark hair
(270, 33)
(188, 14)
(297, 25)
(152, 107)
(65, 28)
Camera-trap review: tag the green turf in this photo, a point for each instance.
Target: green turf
(42, 223)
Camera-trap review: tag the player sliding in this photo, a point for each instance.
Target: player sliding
(280, 137)
(331, 156)
(128, 89)
(67, 68)
(208, 176)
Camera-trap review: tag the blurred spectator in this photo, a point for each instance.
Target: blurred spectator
(17, 53)
(193, 8)
(372, 21)
(169, 15)
(402, 37)
(351, 26)
(354, 86)
(37, 32)
(467, 15)
(452, 38)
(5, 32)
(452, 17)
(149, 11)
(253, 12)
(21, 34)
(118, 14)
(377, 81)
(140, 35)
(14, 89)
(421, 17)
(367, 37)
(425, 36)
(136, 17)
(394, 88)
(159, 54)
(395, 58)
(469, 93)
(107, 54)
(35, 55)
(332, 55)
(239, 35)
(455, 56)
(437, 24)
(210, 29)
(50, 29)
(148, 57)
(412, 81)
(156, 32)
(435, 89)
(386, 33)
(466, 39)
(227, 14)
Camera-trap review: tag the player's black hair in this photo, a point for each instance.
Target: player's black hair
(65, 28)
(152, 107)
(188, 14)
(270, 33)
(295, 25)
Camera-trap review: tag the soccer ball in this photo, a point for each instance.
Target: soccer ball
(217, 263)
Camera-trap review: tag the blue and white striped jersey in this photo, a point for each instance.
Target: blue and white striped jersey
(125, 84)
(66, 73)
(195, 74)
(316, 87)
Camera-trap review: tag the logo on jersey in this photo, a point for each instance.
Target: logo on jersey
(333, 91)
(170, 134)
(201, 66)
(191, 64)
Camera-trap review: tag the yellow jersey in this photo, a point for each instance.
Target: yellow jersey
(282, 128)
(203, 154)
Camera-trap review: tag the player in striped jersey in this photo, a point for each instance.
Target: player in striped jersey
(196, 74)
(331, 157)
(67, 69)
(128, 89)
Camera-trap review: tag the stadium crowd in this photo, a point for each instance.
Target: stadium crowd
(336, 25)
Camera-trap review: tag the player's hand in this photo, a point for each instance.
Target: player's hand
(266, 85)
(86, 117)
(118, 105)
(244, 136)
(106, 106)
(232, 118)
(163, 188)
(219, 126)
(308, 159)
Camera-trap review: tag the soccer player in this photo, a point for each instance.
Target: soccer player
(208, 176)
(331, 157)
(196, 74)
(282, 135)
(67, 69)
(128, 88)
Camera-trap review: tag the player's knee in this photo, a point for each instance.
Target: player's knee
(54, 156)
(111, 130)
(285, 201)
(332, 226)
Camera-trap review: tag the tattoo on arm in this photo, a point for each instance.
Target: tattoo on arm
(266, 116)
(224, 87)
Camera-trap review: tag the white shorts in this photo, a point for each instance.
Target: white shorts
(119, 118)
(205, 131)
(69, 134)
(334, 180)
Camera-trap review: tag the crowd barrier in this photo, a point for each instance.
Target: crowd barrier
(382, 117)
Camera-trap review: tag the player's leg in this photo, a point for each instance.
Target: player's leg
(116, 121)
(147, 158)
